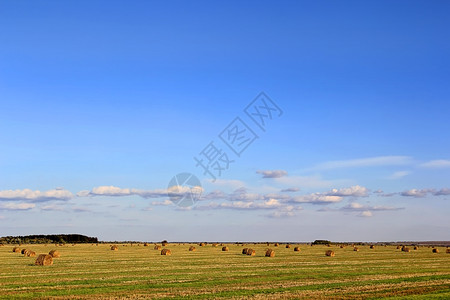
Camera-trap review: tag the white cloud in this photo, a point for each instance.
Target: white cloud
(112, 191)
(398, 175)
(272, 173)
(442, 192)
(366, 214)
(365, 162)
(52, 207)
(285, 211)
(163, 203)
(436, 164)
(16, 206)
(333, 196)
(353, 191)
(30, 195)
(416, 193)
(214, 195)
(242, 195)
(316, 198)
(355, 206)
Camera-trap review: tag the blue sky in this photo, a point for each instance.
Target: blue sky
(102, 103)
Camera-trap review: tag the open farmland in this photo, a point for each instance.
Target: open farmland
(90, 271)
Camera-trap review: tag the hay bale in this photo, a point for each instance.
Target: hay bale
(329, 253)
(202, 244)
(447, 251)
(23, 251)
(163, 244)
(30, 253)
(297, 249)
(157, 247)
(225, 248)
(251, 252)
(288, 246)
(276, 245)
(406, 249)
(435, 250)
(44, 260)
(244, 251)
(145, 244)
(342, 246)
(416, 248)
(16, 249)
(398, 247)
(270, 253)
(114, 248)
(166, 252)
(215, 245)
(55, 253)
(355, 249)
(192, 248)
(372, 247)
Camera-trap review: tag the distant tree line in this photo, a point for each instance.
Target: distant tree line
(48, 239)
(321, 242)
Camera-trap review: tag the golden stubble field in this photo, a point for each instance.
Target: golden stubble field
(138, 272)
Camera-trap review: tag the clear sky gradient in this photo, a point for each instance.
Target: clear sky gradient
(103, 102)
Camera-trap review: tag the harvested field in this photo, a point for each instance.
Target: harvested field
(138, 272)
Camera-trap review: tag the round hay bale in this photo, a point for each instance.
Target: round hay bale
(355, 249)
(435, 250)
(244, 251)
(44, 260)
(157, 247)
(30, 253)
(163, 244)
(276, 245)
(23, 251)
(225, 248)
(288, 246)
(251, 252)
(398, 247)
(270, 253)
(202, 244)
(406, 249)
(192, 248)
(267, 244)
(166, 252)
(329, 253)
(297, 249)
(145, 244)
(16, 250)
(342, 246)
(447, 251)
(114, 248)
(372, 247)
(215, 245)
(55, 253)
(416, 248)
